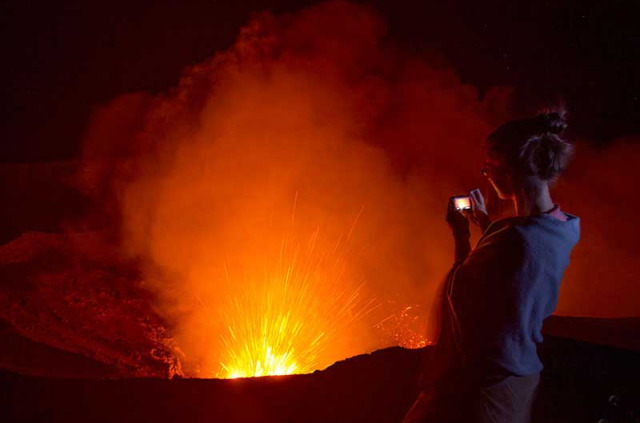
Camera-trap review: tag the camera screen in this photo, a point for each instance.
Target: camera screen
(463, 203)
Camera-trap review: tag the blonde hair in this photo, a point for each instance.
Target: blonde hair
(533, 147)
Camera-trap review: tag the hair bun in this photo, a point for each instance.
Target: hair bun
(533, 146)
(552, 121)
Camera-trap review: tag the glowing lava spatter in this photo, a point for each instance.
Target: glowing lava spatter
(281, 321)
(405, 328)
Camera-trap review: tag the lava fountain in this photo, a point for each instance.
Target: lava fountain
(282, 319)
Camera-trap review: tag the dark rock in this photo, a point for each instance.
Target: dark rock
(377, 387)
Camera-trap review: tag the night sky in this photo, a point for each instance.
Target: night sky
(62, 59)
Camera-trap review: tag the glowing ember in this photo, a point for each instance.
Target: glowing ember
(406, 328)
(282, 320)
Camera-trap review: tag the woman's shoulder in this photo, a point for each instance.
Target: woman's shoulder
(501, 235)
(528, 231)
(501, 247)
(505, 228)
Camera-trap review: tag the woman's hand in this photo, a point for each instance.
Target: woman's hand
(479, 214)
(457, 220)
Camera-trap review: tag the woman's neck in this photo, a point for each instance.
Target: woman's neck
(532, 199)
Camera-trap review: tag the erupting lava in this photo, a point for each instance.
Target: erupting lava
(406, 328)
(280, 321)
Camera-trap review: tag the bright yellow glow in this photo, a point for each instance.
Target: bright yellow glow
(281, 321)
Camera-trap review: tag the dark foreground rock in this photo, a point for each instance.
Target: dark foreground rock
(582, 382)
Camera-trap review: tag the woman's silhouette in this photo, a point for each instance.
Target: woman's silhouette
(485, 367)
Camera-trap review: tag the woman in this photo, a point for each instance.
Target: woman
(485, 367)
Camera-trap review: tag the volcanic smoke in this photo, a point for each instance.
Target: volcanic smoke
(287, 197)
